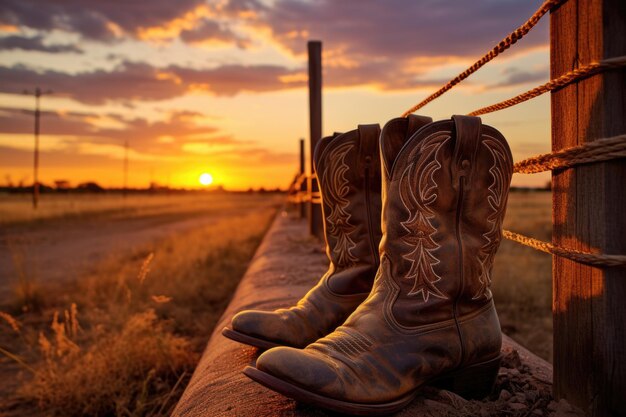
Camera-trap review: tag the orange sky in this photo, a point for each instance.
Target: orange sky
(219, 86)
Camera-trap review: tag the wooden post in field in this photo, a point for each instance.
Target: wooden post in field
(589, 203)
(36, 154)
(125, 188)
(303, 184)
(316, 227)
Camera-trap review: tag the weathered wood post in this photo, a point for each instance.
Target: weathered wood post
(589, 203)
(316, 227)
(302, 189)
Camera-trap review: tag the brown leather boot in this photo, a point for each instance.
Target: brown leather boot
(430, 317)
(348, 169)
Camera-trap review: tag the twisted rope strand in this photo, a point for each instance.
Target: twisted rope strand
(572, 254)
(504, 44)
(596, 151)
(565, 79)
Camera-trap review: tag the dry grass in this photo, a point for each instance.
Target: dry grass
(522, 277)
(17, 208)
(124, 340)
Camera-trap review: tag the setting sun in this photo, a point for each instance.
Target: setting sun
(206, 179)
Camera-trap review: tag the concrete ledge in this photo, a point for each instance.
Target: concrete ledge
(287, 264)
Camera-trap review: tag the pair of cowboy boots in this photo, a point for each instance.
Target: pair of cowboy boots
(419, 311)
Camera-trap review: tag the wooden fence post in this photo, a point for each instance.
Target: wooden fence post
(303, 184)
(589, 210)
(316, 227)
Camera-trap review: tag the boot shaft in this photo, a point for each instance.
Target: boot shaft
(444, 197)
(348, 172)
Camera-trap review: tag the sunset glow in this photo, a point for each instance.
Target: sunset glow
(224, 83)
(206, 179)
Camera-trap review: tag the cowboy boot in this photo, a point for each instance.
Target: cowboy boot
(430, 318)
(348, 170)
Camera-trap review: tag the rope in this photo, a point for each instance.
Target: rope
(596, 151)
(596, 259)
(504, 44)
(562, 81)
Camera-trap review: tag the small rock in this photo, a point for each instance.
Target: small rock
(537, 412)
(552, 406)
(531, 396)
(517, 406)
(452, 398)
(512, 360)
(504, 395)
(520, 398)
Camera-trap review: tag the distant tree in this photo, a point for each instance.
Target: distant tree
(548, 186)
(90, 186)
(62, 184)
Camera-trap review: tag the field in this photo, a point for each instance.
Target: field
(522, 277)
(120, 333)
(122, 336)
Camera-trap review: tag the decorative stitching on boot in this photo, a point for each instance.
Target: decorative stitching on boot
(348, 343)
(500, 173)
(335, 193)
(420, 175)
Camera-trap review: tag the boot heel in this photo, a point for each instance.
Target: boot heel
(474, 382)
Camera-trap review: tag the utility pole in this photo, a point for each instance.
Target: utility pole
(125, 168)
(38, 94)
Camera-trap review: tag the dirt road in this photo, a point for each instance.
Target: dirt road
(57, 250)
(64, 250)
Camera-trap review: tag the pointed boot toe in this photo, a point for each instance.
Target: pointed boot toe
(256, 328)
(297, 367)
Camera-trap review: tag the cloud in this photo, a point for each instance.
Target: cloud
(392, 44)
(211, 31)
(140, 81)
(389, 45)
(84, 132)
(108, 21)
(368, 29)
(111, 128)
(94, 19)
(362, 28)
(515, 76)
(35, 44)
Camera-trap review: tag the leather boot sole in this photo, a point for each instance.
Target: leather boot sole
(248, 340)
(474, 382)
